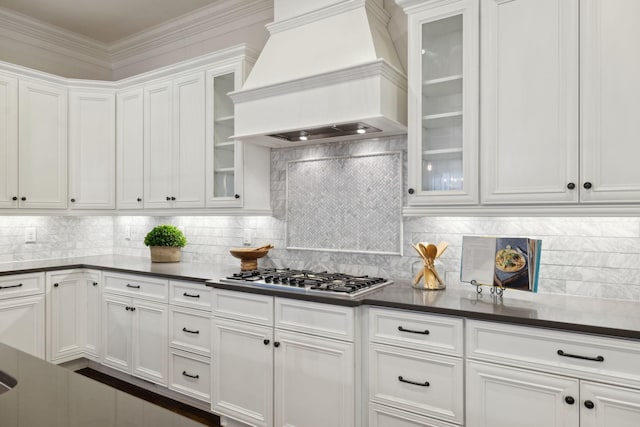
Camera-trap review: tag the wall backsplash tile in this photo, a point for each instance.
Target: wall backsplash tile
(593, 256)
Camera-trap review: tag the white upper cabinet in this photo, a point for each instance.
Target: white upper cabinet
(42, 148)
(130, 149)
(237, 174)
(8, 142)
(529, 103)
(443, 102)
(92, 149)
(174, 144)
(609, 101)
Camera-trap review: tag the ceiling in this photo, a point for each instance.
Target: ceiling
(106, 21)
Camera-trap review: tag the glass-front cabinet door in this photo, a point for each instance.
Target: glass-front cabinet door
(223, 170)
(443, 102)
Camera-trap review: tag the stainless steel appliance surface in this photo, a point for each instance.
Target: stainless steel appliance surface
(311, 282)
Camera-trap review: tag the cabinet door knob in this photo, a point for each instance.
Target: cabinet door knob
(139, 199)
(14, 198)
(55, 285)
(570, 400)
(168, 198)
(571, 186)
(411, 191)
(276, 344)
(589, 404)
(237, 196)
(133, 309)
(173, 198)
(587, 185)
(72, 200)
(95, 283)
(24, 199)
(127, 308)
(266, 341)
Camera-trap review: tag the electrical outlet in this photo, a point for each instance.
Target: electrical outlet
(246, 237)
(30, 235)
(127, 232)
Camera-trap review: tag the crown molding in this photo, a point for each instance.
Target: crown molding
(214, 20)
(25, 29)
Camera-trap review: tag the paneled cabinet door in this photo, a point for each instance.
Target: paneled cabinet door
(529, 102)
(116, 332)
(42, 148)
(609, 101)
(242, 364)
(93, 308)
(604, 405)
(443, 102)
(314, 381)
(499, 396)
(129, 149)
(149, 341)
(158, 145)
(22, 324)
(188, 141)
(92, 149)
(8, 142)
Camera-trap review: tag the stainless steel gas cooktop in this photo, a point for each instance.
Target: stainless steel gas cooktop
(311, 282)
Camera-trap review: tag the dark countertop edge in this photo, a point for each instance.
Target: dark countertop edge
(103, 268)
(522, 321)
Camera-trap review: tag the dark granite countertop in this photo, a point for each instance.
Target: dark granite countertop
(580, 314)
(47, 395)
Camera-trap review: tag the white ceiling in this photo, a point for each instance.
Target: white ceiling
(105, 20)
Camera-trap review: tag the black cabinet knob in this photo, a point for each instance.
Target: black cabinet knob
(95, 283)
(266, 341)
(127, 308)
(133, 309)
(168, 198)
(14, 198)
(411, 191)
(587, 185)
(173, 198)
(237, 196)
(276, 344)
(570, 400)
(23, 198)
(571, 186)
(73, 200)
(139, 199)
(589, 404)
(55, 285)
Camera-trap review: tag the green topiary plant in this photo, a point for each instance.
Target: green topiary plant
(165, 235)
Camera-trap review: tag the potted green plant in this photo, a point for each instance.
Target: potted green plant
(164, 243)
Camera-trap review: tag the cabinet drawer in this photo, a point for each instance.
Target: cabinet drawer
(189, 294)
(137, 286)
(325, 320)
(190, 330)
(243, 306)
(384, 416)
(425, 383)
(21, 285)
(599, 357)
(190, 374)
(417, 331)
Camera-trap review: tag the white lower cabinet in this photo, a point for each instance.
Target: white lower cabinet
(22, 311)
(280, 370)
(533, 377)
(135, 337)
(73, 315)
(415, 369)
(190, 339)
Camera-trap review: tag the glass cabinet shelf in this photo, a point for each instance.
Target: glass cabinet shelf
(431, 153)
(442, 86)
(443, 120)
(224, 119)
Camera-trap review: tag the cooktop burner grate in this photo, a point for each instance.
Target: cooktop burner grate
(337, 284)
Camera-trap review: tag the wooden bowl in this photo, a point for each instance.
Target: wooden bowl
(249, 256)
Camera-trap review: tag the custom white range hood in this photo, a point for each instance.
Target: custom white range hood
(328, 72)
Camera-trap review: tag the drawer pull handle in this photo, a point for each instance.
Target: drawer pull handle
(424, 384)
(11, 286)
(190, 331)
(191, 296)
(577, 356)
(425, 332)
(129, 285)
(190, 376)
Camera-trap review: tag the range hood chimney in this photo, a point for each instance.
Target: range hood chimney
(328, 72)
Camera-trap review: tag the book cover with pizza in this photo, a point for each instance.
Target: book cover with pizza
(512, 264)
